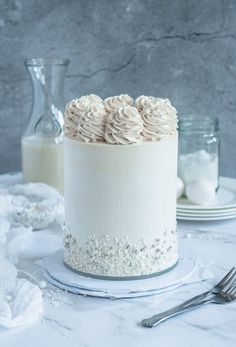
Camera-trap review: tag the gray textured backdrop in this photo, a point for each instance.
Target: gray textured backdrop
(181, 49)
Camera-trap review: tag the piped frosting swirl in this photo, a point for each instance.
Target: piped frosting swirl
(114, 102)
(120, 119)
(124, 126)
(159, 119)
(144, 100)
(85, 119)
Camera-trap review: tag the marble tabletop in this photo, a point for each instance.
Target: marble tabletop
(72, 320)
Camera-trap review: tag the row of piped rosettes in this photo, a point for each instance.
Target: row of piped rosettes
(120, 119)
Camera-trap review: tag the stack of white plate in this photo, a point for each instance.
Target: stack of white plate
(224, 206)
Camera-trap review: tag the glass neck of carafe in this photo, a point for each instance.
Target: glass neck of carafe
(47, 78)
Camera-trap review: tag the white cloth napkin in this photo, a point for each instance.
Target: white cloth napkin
(20, 299)
(21, 305)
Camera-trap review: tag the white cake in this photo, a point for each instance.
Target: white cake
(120, 186)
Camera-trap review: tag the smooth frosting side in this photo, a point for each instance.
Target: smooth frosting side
(124, 126)
(159, 119)
(114, 102)
(125, 181)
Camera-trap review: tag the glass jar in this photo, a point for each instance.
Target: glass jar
(199, 145)
(42, 142)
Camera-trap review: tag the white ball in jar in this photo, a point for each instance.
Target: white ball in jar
(201, 192)
(179, 188)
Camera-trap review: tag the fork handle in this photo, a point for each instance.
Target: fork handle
(196, 298)
(186, 306)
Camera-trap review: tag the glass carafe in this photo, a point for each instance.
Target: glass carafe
(42, 142)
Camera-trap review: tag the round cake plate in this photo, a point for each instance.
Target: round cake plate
(57, 273)
(226, 198)
(107, 294)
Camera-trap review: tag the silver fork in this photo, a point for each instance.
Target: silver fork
(228, 283)
(223, 297)
(223, 283)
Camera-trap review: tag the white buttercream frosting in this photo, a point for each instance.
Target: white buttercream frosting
(132, 231)
(120, 119)
(85, 118)
(73, 112)
(91, 98)
(124, 126)
(114, 102)
(92, 124)
(144, 100)
(159, 119)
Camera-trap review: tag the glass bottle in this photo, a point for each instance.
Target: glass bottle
(199, 145)
(42, 142)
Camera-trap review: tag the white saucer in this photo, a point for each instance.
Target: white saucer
(206, 219)
(223, 208)
(57, 273)
(207, 213)
(225, 198)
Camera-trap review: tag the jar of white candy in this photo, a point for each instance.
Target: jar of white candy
(199, 144)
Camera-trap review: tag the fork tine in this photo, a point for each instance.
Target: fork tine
(232, 289)
(234, 292)
(227, 290)
(229, 280)
(226, 277)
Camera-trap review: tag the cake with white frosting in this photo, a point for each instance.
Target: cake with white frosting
(120, 186)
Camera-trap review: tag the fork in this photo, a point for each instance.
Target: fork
(224, 290)
(223, 283)
(223, 297)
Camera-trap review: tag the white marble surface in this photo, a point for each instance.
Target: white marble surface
(71, 320)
